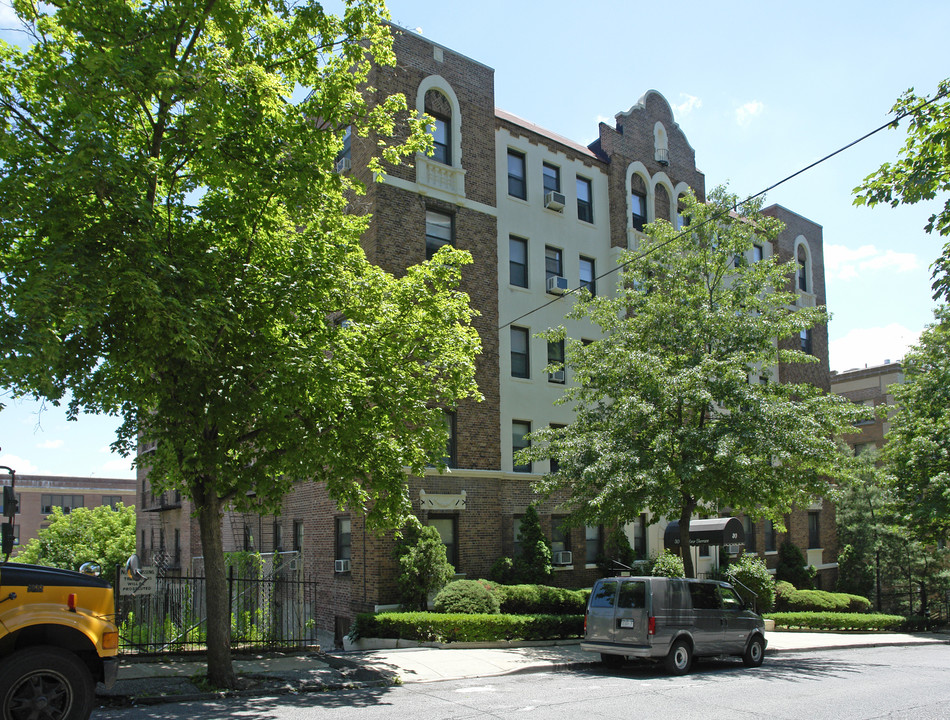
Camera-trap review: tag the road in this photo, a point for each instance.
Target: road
(905, 682)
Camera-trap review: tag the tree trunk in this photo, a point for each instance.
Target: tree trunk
(685, 548)
(220, 670)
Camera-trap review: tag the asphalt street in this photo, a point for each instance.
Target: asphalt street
(852, 683)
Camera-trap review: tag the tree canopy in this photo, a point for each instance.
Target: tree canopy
(178, 250)
(922, 171)
(101, 535)
(918, 442)
(677, 407)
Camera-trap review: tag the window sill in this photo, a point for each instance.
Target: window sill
(562, 568)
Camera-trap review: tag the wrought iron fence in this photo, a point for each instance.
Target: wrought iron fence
(273, 610)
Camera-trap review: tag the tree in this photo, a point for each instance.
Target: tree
(667, 418)
(533, 565)
(792, 568)
(918, 442)
(100, 535)
(177, 250)
(423, 566)
(922, 171)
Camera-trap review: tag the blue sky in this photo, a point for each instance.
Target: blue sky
(760, 89)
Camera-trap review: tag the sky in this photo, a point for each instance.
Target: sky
(761, 90)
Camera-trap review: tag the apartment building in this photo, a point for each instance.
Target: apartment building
(869, 386)
(540, 214)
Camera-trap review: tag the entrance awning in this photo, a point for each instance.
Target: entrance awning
(714, 531)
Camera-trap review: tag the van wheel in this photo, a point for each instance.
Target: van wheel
(755, 653)
(611, 660)
(45, 682)
(680, 658)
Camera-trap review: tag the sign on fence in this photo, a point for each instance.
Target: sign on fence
(143, 582)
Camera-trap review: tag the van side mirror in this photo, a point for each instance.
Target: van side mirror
(10, 505)
(7, 540)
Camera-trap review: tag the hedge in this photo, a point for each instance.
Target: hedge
(541, 600)
(457, 627)
(836, 621)
(788, 599)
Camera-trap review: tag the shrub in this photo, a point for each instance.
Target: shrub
(616, 548)
(534, 563)
(436, 627)
(667, 565)
(503, 571)
(749, 573)
(791, 600)
(423, 566)
(541, 599)
(791, 566)
(467, 596)
(836, 621)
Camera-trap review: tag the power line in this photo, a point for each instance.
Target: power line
(735, 207)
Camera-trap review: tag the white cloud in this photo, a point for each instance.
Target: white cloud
(50, 444)
(866, 347)
(120, 467)
(19, 465)
(690, 103)
(844, 263)
(745, 113)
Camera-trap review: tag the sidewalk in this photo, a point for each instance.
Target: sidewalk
(273, 673)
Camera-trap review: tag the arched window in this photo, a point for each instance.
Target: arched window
(638, 202)
(802, 268)
(662, 202)
(438, 106)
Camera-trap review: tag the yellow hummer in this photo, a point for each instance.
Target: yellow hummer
(58, 636)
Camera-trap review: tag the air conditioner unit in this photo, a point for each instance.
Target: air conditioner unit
(343, 164)
(557, 284)
(557, 376)
(554, 201)
(563, 558)
(341, 566)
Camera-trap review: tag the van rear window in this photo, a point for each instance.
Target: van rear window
(632, 595)
(603, 595)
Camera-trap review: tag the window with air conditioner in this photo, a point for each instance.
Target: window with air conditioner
(556, 359)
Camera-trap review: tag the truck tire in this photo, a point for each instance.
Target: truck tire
(754, 653)
(45, 682)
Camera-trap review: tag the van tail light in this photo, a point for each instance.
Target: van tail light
(585, 624)
(651, 626)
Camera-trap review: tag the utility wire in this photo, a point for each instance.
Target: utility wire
(735, 207)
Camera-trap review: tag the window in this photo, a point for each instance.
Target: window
(814, 532)
(518, 261)
(176, 550)
(248, 539)
(298, 535)
(553, 262)
(441, 139)
(448, 528)
(516, 548)
(439, 232)
(451, 450)
(770, 537)
(632, 595)
(66, 502)
(560, 535)
(555, 466)
(347, 144)
(756, 253)
(593, 543)
(704, 596)
(585, 204)
(556, 357)
(605, 594)
(749, 528)
(802, 269)
(278, 537)
(519, 441)
(864, 447)
(638, 210)
(805, 336)
(587, 275)
(342, 538)
(517, 183)
(111, 500)
(551, 174)
(520, 366)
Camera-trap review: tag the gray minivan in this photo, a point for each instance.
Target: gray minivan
(671, 619)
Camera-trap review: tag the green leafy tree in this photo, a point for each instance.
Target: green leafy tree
(100, 535)
(922, 171)
(423, 566)
(750, 577)
(666, 418)
(176, 249)
(791, 567)
(666, 564)
(533, 565)
(918, 442)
